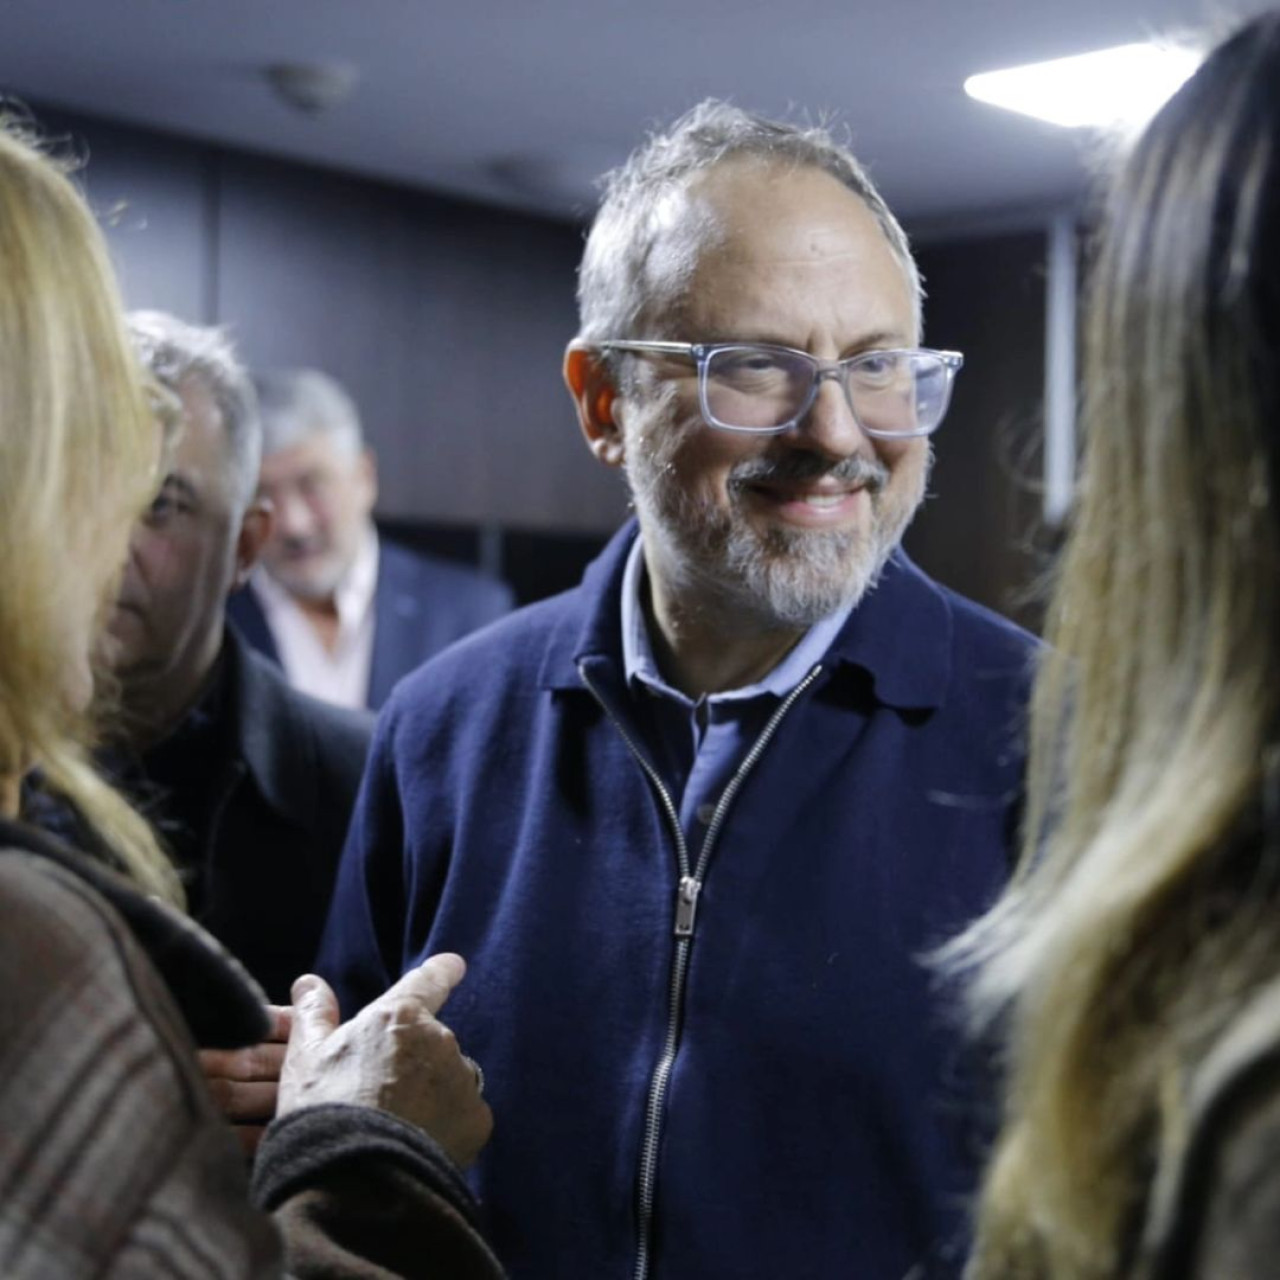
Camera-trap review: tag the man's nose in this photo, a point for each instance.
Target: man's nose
(830, 426)
(131, 571)
(140, 537)
(293, 515)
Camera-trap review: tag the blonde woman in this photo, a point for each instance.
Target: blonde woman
(1134, 964)
(112, 1158)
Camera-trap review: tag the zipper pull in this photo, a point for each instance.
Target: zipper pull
(686, 905)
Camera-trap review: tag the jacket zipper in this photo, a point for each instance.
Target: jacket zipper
(685, 917)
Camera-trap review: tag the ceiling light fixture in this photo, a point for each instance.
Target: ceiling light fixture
(312, 86)
(1121, 86)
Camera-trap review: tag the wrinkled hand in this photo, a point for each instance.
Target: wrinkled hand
(244, 1082)
(394, 1055)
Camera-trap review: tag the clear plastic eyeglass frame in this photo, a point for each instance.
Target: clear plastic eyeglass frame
(942, 366)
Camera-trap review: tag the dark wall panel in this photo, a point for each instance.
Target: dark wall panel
(986, 297)
(446, 321)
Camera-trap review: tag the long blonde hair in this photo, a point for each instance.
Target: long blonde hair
(1147, 899)
(78, 446)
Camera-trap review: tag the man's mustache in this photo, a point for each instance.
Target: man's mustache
(300, 546)
(801, 468)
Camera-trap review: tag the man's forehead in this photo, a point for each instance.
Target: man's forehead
(681, 227)
(202, 417)
(762, 238)
(198, 399)
(318, 450)
(751, 205)
(196, 464)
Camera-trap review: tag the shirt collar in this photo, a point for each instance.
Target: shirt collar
(901, 633)
(640, 665)
(354, 594)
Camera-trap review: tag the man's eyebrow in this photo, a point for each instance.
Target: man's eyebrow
(176, 480)
(881, 339)
(877, 339)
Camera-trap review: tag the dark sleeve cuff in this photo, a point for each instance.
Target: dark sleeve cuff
(302, 1148)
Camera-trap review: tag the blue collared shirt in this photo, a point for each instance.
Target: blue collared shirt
(698, 744)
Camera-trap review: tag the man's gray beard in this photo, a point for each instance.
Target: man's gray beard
(789, 578)
(314, 589)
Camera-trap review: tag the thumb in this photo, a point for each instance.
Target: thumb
(431, 982)
(315, 1010)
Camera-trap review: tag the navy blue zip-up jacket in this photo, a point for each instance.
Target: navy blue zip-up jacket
(812, 1115)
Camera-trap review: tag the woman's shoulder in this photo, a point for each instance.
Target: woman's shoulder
(73, 969)
(99, 1087)
(51, 922)
(219, 1003)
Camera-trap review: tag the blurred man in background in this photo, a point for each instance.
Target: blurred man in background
(345, 612)
(249, 782)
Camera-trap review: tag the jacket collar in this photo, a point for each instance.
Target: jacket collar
(899, 634)
(263, 730)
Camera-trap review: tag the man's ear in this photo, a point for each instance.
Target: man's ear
(367, 471)
(255, 529)
(595, 396)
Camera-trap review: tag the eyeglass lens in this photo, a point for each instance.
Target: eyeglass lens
(890, 392)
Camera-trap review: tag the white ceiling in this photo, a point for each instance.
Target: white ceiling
(523, 102)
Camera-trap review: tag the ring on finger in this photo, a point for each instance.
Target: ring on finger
(476, 1070)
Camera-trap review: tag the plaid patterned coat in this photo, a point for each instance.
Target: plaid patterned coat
(113, 1160)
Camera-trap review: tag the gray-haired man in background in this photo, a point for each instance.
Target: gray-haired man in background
(343, 610)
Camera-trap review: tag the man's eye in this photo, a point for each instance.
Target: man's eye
(746, 366)
(876, 366)
(163, 508)
(315, 484)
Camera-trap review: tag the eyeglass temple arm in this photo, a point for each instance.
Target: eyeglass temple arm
(673, 348)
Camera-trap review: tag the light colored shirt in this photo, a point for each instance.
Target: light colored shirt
(340, 676)
(699, 743)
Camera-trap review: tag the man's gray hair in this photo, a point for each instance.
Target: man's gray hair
(617, 279)
(297, 404)
(173, 351)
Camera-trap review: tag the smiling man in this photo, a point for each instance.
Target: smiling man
(695, 822)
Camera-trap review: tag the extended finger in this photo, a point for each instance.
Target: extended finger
(431, 982)
(315, 1011)
(281, 1016)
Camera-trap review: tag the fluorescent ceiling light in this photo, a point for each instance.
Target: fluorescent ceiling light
(1122, 86)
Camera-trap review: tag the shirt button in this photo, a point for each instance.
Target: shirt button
(705, 813)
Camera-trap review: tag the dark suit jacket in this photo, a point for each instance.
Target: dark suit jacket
(421, 605)
(258, 811)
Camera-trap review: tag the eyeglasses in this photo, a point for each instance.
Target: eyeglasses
(750, 386)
